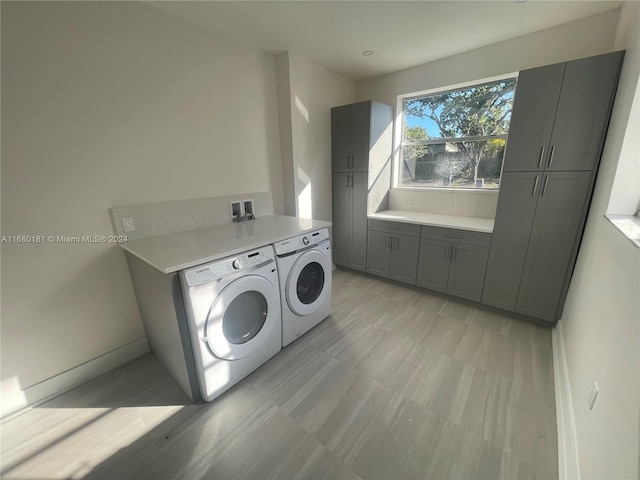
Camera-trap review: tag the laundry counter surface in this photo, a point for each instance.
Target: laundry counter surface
(177, 251)
(474, 224)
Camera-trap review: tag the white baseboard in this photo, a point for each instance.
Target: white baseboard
(568, 468)
(64, 381)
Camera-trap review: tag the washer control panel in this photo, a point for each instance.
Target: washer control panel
(301, 242)
(210, 272)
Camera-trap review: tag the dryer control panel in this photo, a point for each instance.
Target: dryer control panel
(209, 272)
(301, 242)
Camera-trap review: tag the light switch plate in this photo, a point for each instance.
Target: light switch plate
(128, 225)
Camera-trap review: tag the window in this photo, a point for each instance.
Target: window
(456, 138)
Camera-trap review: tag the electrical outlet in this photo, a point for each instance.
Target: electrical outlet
(594, 395)
(128, 225)
(236, 210)
(248, 208)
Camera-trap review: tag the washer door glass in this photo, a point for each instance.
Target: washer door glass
(242, 316)
(308, 283)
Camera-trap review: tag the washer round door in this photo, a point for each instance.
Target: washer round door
(306, 285)
(241, 317)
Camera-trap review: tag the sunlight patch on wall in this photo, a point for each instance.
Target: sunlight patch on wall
(302, 109)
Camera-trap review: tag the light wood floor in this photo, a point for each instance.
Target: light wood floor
(396, 384)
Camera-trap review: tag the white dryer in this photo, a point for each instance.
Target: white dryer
(304, 269)
(233, 314)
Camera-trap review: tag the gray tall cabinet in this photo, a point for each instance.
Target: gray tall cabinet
(361, 148)
(558, 125)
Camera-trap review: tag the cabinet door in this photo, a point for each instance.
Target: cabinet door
(583, 112)
(404, 258)
(534, 109)
(340, 134)
(358, 234)
(433, 264)
(553, 243)
(379, 253)
(514, 217)
(466, 271)
(360, 127)
(341, 209)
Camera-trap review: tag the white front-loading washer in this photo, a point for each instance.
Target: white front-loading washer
(233, 314)
(304, 269)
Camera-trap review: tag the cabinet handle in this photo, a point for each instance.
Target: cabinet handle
(535, 186)
(541, 157)
(446, 253)
(452, 236)
(397, 243)
(453, 253)
(347, 178)
(390, 243)
(351, 160)
(553, 150)
(544, 188)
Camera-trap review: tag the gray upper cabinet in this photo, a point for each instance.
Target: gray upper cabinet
(350, 137)
(560, 114)
(360, 151)
(340, 138)
(586, 99)
(534, 110)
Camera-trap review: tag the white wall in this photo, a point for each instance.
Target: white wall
(313, 90)
(107, 104)
(582, 38)
(601, 320)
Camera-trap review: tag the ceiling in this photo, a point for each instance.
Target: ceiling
(401, 34)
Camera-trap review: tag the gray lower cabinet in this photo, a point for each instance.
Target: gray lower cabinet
(392, 250)
(453, 261)
(349, 198)
(535, 241)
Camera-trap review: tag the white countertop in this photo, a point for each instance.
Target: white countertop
(177, 251)
(474, 224)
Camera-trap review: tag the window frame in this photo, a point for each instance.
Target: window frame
(400, 125)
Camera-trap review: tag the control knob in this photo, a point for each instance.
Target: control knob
(305, 240)
(236, 264)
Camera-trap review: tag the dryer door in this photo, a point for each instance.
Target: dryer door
(307, 284)
(242, 316)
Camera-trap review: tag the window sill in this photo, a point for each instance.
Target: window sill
(628, 225)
